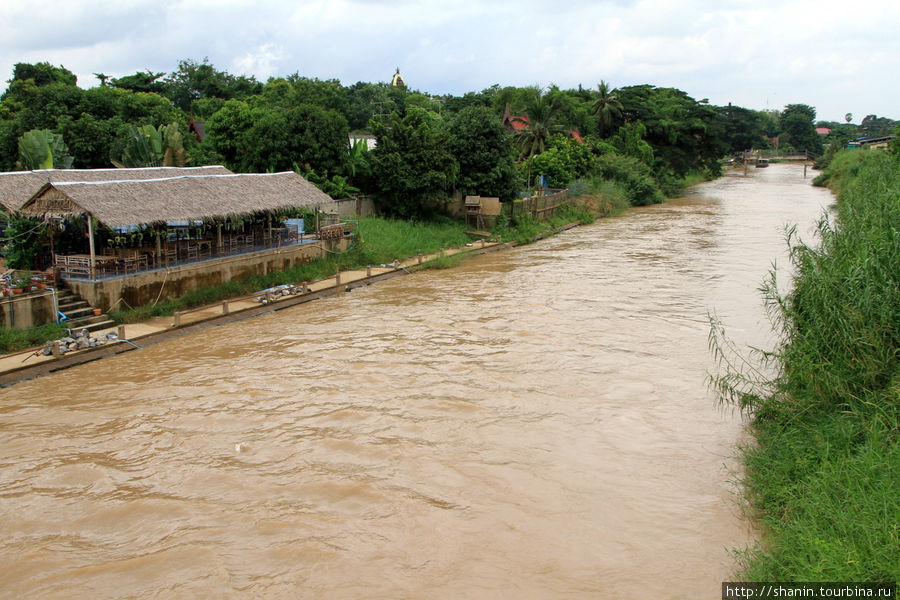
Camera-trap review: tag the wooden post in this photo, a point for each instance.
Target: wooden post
(420, 258)
(55, 350)
(91, 245)
(337, 279)
(368, 271)
(177, 321)
(225, 307)
(121, 332)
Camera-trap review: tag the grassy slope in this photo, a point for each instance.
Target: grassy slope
(825, 475)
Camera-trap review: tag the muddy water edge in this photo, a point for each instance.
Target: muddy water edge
(530, 424)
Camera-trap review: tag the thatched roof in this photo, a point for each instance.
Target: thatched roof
(17, 187)
(139, 202)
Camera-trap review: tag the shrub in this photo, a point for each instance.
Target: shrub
(636, 178)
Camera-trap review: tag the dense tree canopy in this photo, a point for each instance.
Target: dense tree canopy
(484, 152)
(412, 164)
(429, 145)
(798, 125)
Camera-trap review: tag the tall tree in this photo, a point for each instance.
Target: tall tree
(145, 81)
(743, 128)
(412, 164)
(484, 153)
(606, 107)
(798, 122)
(195, 80)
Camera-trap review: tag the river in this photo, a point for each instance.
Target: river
(533, 423)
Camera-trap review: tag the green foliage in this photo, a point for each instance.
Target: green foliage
(42, 149)
(799, 129)
(743, 129)
(484, 153)
(634, 176)
(630, 142)
(843, 167)
(22, 240)
(685, 135)
(542, 122)
(606, 106)
(143, 148)
(412, 164)
(146, 81)
(262, 138)
(613, 195)
(43, 73)
(337, 186)
(14, 340)
(874, 126)
(193, 81)
(148, 146)
(366, 100)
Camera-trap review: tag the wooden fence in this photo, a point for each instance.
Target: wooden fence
(540, 206)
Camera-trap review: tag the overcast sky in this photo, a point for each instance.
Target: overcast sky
(839, 57)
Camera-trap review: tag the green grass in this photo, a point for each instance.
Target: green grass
(824, 476)
(12, 340)
(380, 241)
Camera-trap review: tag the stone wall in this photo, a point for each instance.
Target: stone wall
(144, 288)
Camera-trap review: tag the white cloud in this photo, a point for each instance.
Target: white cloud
(833, 56)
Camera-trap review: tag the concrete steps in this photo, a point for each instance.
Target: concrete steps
(80, 315)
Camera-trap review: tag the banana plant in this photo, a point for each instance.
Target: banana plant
(148, 146)
(43, 149)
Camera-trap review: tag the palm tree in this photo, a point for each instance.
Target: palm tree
(606, 106)
(540, 123)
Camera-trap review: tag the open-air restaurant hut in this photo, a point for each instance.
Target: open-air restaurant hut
(123, 203)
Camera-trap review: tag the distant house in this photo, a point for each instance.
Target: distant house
(198, 128)
(513, 123)
(866, 142)
(823, 130)
(516, 123)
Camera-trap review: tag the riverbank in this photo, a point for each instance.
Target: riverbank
(30, 363)
(824, 476)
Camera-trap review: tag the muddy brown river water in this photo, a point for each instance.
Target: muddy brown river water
(531, 424)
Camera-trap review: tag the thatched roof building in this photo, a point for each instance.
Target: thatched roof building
(124, 201)
(17, 187)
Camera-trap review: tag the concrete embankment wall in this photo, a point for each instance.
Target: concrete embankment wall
(23, 311)
(144, 288)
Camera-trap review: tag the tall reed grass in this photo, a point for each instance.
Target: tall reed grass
(824, 476)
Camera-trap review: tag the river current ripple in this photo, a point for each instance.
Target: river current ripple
(531, 424)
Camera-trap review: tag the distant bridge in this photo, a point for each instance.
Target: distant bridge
(775, 155)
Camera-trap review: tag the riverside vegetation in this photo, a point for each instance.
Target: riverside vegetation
(824, 473)
(380, 241)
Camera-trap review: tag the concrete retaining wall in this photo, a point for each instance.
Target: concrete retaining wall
(23, 311)
(350, 208)
(144, 288)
